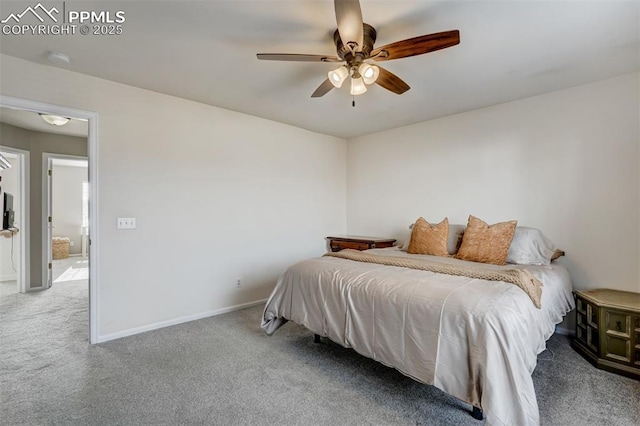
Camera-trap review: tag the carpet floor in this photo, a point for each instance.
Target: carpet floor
(225, 371)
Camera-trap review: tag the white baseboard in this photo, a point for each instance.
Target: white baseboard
(176, 321)
(13, 277)
(565, 331)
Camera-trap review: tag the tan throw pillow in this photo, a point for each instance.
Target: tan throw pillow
(429, 239)
(558, 253)
(486, 244)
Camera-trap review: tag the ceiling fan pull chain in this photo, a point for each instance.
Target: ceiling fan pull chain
(353, 102)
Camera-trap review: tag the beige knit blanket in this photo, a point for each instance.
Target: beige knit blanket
(523, 279)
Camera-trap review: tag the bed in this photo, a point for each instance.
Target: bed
(473, 338)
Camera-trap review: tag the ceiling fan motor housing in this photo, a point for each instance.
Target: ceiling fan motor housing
(369, 38)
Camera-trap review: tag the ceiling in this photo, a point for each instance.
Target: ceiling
(31, 121)
(206, 52)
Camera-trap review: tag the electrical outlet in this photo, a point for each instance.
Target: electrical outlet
(72, 243)
(239, 282)
(126, 223)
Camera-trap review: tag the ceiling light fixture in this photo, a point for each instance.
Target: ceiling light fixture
(54, 120)
(361, 76)
(58, 58)
(357, 85)
(338, 76)
(369, 72)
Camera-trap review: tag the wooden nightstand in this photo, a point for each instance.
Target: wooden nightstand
(608, 330)
(358, 243)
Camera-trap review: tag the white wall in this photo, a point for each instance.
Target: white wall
(217, 195)
(67, 204)
(565, 162)
(10, 183)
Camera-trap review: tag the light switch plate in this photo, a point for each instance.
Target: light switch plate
(126, 223)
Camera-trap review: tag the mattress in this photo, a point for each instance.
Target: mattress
(477, 340)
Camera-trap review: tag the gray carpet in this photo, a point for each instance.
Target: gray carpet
(225, 371)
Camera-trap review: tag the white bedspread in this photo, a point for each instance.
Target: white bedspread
(476, 340)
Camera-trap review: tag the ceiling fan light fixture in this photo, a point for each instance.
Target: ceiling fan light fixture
(338, 76)
(357, 86)
(369, 72)
(54, 120)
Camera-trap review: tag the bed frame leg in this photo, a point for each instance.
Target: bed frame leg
(316, 338)
(477, 413)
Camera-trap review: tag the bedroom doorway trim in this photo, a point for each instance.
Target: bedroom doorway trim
(92, 153)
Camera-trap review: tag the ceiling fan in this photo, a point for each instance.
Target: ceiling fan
(354, 43)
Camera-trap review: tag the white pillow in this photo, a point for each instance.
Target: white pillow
(530, 247)
(453, 241)
(407, 239)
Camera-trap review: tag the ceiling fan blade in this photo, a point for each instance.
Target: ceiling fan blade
(297, 57)
(349, 19)
(323, 89)
(417, 45)
(391, 82)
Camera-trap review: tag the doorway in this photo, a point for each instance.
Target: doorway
(91, 236)
(66, 220)
(14, 261)
(66, 198)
